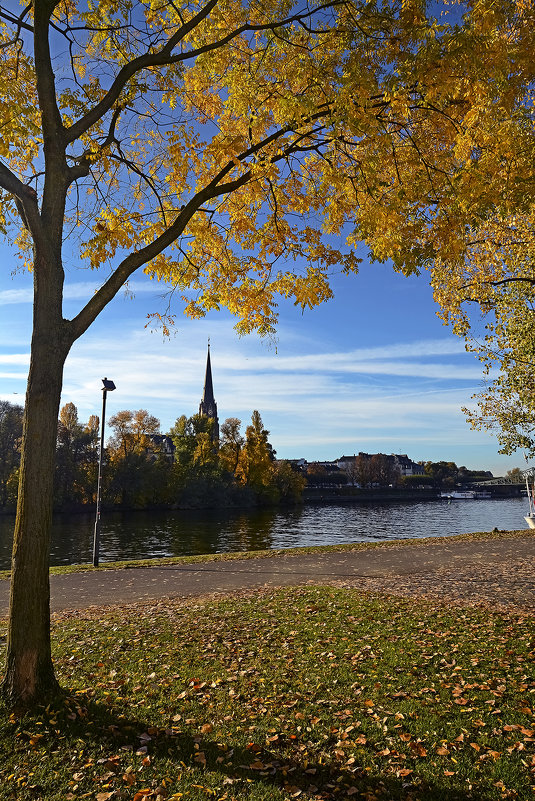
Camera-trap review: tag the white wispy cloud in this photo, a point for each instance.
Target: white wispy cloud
(145, 367)
(12, 376)
(15, 358)
(10, 296)
(352, 360)
(346, 364)
(323, 395)
(81, 290)
(398, 398)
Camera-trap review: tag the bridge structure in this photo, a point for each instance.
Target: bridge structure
(514, 485)
(504, 481)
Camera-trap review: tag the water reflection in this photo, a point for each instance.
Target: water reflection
(140, 535)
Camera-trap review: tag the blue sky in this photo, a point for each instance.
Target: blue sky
(372, 370)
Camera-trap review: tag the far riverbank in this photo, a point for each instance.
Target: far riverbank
(382, 495)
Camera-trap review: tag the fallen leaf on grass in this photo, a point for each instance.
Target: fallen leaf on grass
(141, 794)
(111, 765)
(418, 749)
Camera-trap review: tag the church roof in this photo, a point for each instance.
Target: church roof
(208, 406)
(208, 391)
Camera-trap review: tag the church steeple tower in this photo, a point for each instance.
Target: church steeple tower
(208, 406)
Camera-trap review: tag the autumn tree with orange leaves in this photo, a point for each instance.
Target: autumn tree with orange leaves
(222, 147)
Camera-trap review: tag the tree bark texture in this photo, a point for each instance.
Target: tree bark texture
(29, 675)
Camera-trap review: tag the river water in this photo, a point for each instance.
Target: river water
(140, 535)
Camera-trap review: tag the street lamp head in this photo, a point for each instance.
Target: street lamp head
(108, 384)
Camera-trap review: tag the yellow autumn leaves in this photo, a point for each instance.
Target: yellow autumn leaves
(244, 151)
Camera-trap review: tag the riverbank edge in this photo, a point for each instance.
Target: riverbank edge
(5, 575)
(310, 496)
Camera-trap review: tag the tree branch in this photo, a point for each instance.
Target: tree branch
(502, 282)
(25, 200)
(45, 80)
(78, 325)
(165, 58)
(18, 21)
(10, 182)
(129, 70)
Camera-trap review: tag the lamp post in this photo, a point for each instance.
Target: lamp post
(109, 386)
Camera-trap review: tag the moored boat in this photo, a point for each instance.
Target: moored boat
(529, 474)
(466, 495)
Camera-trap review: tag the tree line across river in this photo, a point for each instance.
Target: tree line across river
(370, 471)
(236, 470)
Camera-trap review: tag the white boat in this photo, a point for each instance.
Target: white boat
(466, 495)
(530, 488)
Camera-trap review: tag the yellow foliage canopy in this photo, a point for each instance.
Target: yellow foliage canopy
(227, 147)
(238, 152)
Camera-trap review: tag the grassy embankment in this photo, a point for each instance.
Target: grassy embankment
(313, 693)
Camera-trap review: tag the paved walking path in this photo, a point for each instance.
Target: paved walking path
(496, 572)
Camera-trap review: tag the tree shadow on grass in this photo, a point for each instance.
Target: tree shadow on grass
(109, 751)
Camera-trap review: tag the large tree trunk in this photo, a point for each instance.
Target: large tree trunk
(29, 675)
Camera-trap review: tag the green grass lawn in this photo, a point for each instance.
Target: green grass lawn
(299, 693)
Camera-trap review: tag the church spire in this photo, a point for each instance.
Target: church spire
(208, 406)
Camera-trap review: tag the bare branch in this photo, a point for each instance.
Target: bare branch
(131, 165)
(502, 282)
(18, 21)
